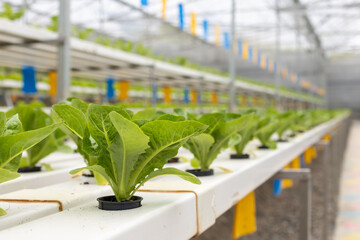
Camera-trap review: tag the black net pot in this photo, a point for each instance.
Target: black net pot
(110, 203)
(29, 169)
(240, 156)
(174, 160)
(199, 173)
(263, 147)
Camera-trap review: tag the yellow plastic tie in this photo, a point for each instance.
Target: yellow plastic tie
(124, 89)
(308, 156)
(245, 216)
(53, 83)
(286, 183)
(314, 153)
(167, 94)
(327, 137)
(295, 164)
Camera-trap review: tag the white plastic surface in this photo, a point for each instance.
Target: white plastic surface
(62, 165)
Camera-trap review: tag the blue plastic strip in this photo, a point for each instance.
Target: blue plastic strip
(277, 189)
(275, 66)
(154, 94)
(186, 95)
(302, 161)
(29, 80)
(239, 42)
(181, 16)
(259, 59)
(267, 63)
(206, 30)
(226, 40)
(250, 53)
(144, 2)
(110, 93)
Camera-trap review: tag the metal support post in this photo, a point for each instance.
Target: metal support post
(325, 145)
(63, 64)
(277, 54)
(304, 175)
(153, 86)
(101, 96)
(199, 97)
(232, 60)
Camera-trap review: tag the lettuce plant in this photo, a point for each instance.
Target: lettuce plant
(33, 117)
(127, 155)
(10, 14)
(206, 146)
(13, 141)
(265, 129)
(72, 113)
(247, 134)
(285, 121)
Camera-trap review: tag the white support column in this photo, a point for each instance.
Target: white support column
(232, 69)
(63, 65)
(277, 54)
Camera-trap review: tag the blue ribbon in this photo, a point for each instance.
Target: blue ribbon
(110, 88)
(181, 16)
(277, 189)
(206, 30)
(186, 95)
(226, 40)
(29, 80)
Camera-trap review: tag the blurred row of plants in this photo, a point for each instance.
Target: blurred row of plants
(138, 48)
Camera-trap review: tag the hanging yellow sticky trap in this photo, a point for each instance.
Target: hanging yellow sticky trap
(308, 156)
(53, 83)
(243, 100)
(123, 88)
(245, 216)
(327, 137)
(193, 96)
(263, 62)
(163, 10)
(193, 23)
(245, 51)
(255, 56)
(295, 164)
(217, 35)
(167, 94)
(284, 73)
(235, 48)
(286, 183)
(321, 91)
(271, 65)
(314, 153)
(214, 98)
(255, 102)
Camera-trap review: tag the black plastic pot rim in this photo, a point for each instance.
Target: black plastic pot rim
(89, 175)
(200, 173)
(173, 160)
(263, 147)
(282, 140)
(110, 203)
(240, 156)
(29, 169)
